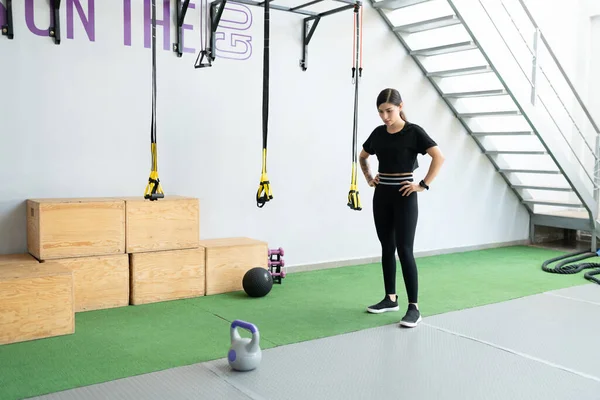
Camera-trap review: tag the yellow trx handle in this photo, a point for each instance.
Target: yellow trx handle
(353, 194)
(263, 193)
(154, 190)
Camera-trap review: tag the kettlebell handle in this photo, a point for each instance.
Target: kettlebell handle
(253, 345)
(243, 324)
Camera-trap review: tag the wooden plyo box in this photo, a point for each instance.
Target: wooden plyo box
(166, 275)
(19, 258)
(171, 223)
(61, 228)
(228, 259)
(99, 282)
(36, 301)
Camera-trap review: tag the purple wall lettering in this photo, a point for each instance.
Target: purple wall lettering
(89, 23)
(127, 22)
(187, 27)
(242, 18)
(165, 22)
(229, 43)
(232, 37)
(30, 20)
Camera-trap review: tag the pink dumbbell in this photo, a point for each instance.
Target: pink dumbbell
(278, 251)
(279, 263)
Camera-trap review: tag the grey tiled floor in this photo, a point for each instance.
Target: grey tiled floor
(537, 347)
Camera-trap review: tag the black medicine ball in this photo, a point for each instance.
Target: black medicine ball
(257, 282)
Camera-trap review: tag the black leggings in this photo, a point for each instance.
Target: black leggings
(396, 222)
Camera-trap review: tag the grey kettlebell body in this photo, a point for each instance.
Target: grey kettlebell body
(245, 353)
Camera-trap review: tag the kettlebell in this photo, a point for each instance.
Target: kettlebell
(244, 353)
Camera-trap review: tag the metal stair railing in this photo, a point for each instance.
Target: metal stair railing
(545, 88)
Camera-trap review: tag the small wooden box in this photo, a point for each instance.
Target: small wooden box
(99, 282)
(36, 301)
(19, 258)
(61, 228)
(171, 223)
(166, 275)
(228, 259)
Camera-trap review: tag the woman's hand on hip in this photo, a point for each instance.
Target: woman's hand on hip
(409, 187)
(375, 181)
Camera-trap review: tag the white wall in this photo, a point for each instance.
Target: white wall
(76, 119)
(594, 62)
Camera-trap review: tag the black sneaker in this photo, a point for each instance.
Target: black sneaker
(412, 317)
(384, 305)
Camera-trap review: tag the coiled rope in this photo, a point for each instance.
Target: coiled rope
(566, 266)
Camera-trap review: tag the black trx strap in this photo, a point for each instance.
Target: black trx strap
(153, 189)
(205, 34)
(264, 189)
(353, 194)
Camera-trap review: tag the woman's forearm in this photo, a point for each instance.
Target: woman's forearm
(437, 160)
(364, 166)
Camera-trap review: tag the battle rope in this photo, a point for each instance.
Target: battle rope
(563, 268)
(263, 193)
(353, 194)
(153, 189)
(205, 28)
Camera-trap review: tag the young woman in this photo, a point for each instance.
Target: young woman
(395, 208)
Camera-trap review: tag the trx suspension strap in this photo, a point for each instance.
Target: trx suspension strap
(153, 189)
(353, 195)
(205, 34)
(264, 189)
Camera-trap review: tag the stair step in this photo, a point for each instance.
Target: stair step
(445, 49)
(537, 187)
(553, 203)
(460, 71)
(396, 4)
(487, 114)
(529, 171)
(428, 24)
(475, 93)
(518, 152)
(500, 133)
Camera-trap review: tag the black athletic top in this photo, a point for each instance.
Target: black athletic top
(397, 152)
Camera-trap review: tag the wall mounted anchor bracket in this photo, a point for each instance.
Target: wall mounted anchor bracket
(7, 28)
(54, 30)
(181, 7)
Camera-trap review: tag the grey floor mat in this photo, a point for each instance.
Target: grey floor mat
(549, 328)
(538, 347)
(192, 382)
(589, 293)
(390, 362)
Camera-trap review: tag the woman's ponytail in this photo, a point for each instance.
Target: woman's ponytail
(403, 116)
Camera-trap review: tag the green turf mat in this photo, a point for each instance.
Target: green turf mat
(112, 344)
(117, 343)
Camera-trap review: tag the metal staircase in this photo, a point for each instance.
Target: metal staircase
(494, 68)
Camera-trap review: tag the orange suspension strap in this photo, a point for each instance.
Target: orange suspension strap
(353, 194)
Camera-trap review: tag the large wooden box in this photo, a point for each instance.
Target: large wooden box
(36, 301)
(61, 228)
(18, 258)
(166, 275)
(171, 223)
(99, 282)
(228, 259)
